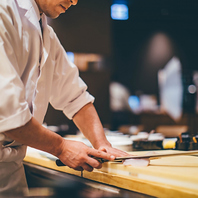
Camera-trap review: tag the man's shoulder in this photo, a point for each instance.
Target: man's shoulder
(8, 6)
(8, 10)
(7, 3)
(14, 5)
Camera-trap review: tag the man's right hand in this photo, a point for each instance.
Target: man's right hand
(72, 153)
(78, 156)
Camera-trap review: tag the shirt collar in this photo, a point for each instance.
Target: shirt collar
(30, 5)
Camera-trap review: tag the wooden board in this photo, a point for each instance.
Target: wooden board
(166, 177)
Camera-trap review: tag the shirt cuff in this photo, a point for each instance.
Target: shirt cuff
(15, 121)
(77, 104)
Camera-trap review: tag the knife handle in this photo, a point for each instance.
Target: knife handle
(59, 163)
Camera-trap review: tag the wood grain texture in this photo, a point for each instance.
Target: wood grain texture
(166, 177)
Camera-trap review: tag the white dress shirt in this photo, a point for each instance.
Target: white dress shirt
(34, 71)
(27, 84)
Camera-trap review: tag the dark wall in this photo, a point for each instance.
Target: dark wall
(85, 27)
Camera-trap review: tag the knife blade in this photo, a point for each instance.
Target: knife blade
(148, 156)
(157, 155)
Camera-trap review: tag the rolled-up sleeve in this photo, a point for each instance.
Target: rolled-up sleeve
(14, 110)
(69, 92)
(77, 104)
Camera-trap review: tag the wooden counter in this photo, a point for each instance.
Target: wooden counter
(166, 177)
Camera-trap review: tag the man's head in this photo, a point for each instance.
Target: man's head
(53, 8)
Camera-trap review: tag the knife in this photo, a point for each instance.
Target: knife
(148, 156)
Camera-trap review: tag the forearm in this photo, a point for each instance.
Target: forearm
(74, 154)
(35, 135)
(88, 122)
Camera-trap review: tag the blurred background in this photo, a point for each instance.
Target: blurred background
(139, 59)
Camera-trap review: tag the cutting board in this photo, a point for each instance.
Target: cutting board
(166, 177)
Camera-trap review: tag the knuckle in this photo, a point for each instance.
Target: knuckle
(89, 168)
(96, 164)
(81, 158)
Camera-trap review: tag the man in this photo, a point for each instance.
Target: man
(35, 70)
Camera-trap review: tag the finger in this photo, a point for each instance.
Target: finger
(118, 153)
(87, 167)
(79, 168)
(113, 151)
(103, 149)
(101, 154)
(94, 163)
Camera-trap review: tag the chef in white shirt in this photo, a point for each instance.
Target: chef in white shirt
(35, 70)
